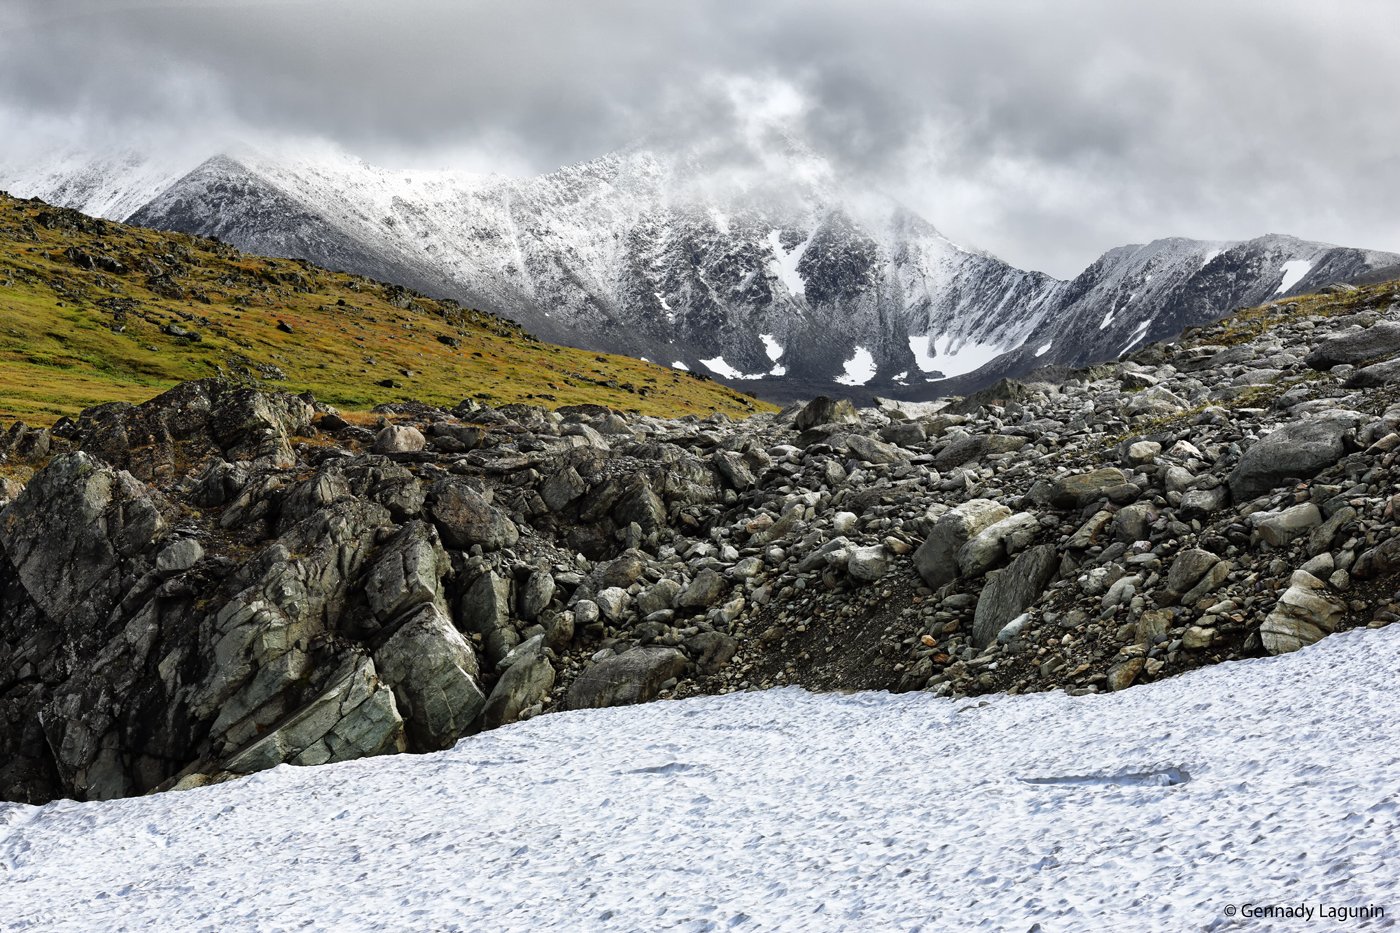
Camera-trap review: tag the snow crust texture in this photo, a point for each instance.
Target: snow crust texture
(1164, 807)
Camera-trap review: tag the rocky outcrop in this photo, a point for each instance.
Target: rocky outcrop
(1305, 613)
(257, 581)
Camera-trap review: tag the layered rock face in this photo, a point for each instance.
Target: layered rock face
(219, 580)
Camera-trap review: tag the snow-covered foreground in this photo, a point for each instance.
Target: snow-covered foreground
(1259, 783)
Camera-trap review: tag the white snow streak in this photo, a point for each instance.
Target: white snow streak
(860, 368)
(679, 365)
(720, 368)
(784, 263)
(1137, 335)
(1267, 781)
(1044, 348)
(1293, 272)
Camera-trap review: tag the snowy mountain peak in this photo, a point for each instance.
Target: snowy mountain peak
(693, 257)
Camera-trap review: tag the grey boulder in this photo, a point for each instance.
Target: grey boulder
(1299, 450)
(635, 676)
(936, 558)
(1010, 591)
(1304, 614)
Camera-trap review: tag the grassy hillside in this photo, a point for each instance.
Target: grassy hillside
(93, 311)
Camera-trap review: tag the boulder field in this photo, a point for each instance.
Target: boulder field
(223, 578)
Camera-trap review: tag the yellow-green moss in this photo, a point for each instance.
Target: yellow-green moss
(59, 351)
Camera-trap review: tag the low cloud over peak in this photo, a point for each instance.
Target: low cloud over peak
(1043, 132)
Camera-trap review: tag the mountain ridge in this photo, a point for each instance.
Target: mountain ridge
(93, 311)
(787, 288)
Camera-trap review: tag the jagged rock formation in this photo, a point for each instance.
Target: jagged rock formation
(220, 580)
(789, 287)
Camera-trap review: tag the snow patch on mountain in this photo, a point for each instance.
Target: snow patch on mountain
(959, 357)
(923, 358)
(771, 347)
(1293, 272)
(719, 367)
(774, 351)
(859, 369)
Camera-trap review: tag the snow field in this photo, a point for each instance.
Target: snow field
(1261, 782)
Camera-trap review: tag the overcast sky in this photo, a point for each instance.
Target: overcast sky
(1045, 132)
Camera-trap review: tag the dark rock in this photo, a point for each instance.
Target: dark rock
(1011, 591)
(525, 682)
(433, 673)
(1295, 451)
(634, 676)
(824, 410)
(465, 518)
(1358, 346)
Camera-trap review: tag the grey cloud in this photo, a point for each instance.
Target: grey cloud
(1044, 132)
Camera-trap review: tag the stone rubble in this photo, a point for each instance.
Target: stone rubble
(220, 580)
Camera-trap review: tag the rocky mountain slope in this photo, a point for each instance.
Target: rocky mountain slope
(248, 579)
(94, 311)
(785, 284)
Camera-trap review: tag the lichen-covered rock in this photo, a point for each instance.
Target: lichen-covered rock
(399, 439)
(525, 683)
(1357, 346)
(868, 564)
(824, 410)
(1186, 571)
(97, 524)
(993, 544)
(406, 573)
(536, 594)
(353, 716)
(1077, 490)
(466, 518)
(1010, 591)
